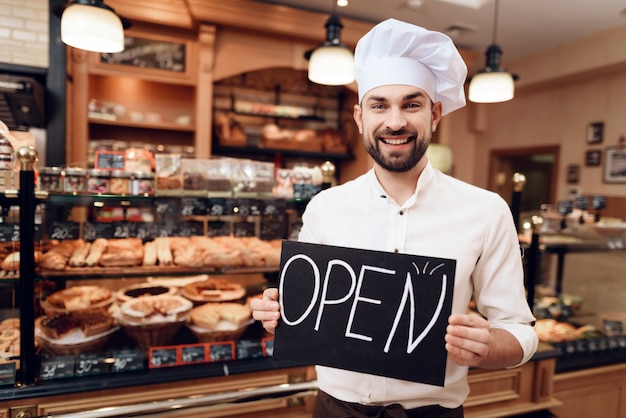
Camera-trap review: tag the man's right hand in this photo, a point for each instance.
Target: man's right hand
(267, 309)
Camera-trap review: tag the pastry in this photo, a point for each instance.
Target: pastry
(79, 297)
(209, 315)
(95, 252)
(151, 309)
(90, 323)
(77, 259)
(213, 290)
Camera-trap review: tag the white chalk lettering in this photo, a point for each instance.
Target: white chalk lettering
(316, 276)
(408, 295)
(358, 298)
(325, 301)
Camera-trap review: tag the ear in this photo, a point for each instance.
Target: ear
(358, 117)
(436, 115)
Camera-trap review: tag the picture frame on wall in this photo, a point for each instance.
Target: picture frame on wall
(595, 133)
(615, 165)
(573, 173)
(593, 158)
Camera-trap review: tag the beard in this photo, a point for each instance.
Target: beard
(398, 161)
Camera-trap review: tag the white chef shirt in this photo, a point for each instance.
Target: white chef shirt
(444, 218)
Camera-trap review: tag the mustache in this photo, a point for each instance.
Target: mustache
(399, 132)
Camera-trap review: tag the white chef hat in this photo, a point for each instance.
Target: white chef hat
(395, 52)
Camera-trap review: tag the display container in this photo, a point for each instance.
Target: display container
(169, 175)
(74, 180)
(51, 179)
(98, 181)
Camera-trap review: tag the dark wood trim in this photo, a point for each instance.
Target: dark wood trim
(56, 99)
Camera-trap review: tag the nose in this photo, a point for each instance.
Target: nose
(395, 119)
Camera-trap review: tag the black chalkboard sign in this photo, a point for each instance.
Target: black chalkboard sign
(193, 354)
(64, 230)
(217, 206)
(9, 232)
(7, 373)
(90, 365)
(222, 351)
(247, 349)
(93, 230)
(163, 357)
(110, 160)
(149, 53)
(56, 367)
(127, 360)
(370, 311)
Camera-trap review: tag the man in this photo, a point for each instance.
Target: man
(408, 78)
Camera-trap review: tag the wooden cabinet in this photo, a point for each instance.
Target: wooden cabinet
(147, 93)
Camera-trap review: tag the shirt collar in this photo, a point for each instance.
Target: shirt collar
(424, 179)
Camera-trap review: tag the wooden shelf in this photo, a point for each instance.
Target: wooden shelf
(248, 150)
(170, 126)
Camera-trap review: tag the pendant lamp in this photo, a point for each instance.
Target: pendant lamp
(331, 63)
(493, 84)
(92, 25)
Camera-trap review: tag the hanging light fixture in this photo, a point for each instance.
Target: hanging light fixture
(331, 63)
(493, 84)
(92, 25)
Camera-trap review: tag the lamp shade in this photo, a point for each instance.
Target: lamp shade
(331, 65)
(92, 28)
(491, 87)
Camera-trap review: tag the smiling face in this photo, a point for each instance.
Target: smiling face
(397, 123)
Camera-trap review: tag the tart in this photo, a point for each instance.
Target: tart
(155, 309)
(90, 323)
(79, 298)
(144, 289)
(213, 290)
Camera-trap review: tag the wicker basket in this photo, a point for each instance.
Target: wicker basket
(151, 335)
(208, 336)
(62, 348)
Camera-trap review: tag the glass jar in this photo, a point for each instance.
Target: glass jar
(120, 182)
(98, 181)
(142, 184)
(74, 180)
(50, 179)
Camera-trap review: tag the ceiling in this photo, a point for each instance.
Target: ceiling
(524, 27)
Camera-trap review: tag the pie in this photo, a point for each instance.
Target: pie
(213, 290)
(210, 315)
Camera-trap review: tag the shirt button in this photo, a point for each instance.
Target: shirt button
(401, 212)
(395, 251)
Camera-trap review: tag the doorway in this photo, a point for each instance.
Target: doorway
(539, 165)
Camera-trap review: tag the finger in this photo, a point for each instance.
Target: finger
(271, 293)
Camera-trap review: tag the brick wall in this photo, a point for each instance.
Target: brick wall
(24, 32)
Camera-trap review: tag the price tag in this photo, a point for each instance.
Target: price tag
(7, 373)
(64, 230)
(272, 229)
(612, 327)
(218, 229)
(216, 206)
(57, 367)
(167, 208)
(193, 206)
(127, 360)
(124, 229)
(247, 349)
(9, 232)
(582, 203)
(95, 230)
(242, 207)
(305, 191)
(598, 202)
(257, 207)
(90, 365)
(192, 354)
(168, 228)
(190, 228)
(268, 346)
(222, 351)
(109, 160)
(243, 229)
(564, 207)
(273, 207)
(162, 357)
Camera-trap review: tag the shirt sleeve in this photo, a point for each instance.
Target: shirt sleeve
(499, 279)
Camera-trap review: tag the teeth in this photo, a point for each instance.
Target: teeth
(396, 141)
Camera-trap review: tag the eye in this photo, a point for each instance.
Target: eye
(412, 105)
(377, 106)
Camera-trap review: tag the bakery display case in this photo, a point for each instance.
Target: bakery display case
(103, 304)
(575, 259)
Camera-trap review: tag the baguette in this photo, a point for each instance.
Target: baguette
(149, 254)
(96, 251)
(164, 252)
(77, 259)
